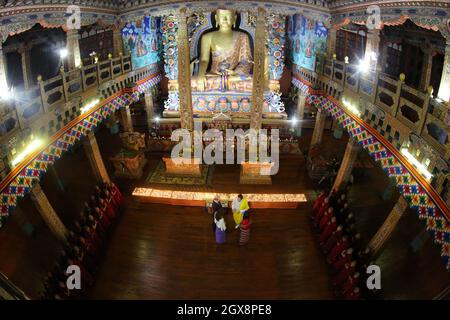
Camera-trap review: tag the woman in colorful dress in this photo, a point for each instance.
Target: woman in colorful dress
(245, 230)
(220, 227)
(239, 207)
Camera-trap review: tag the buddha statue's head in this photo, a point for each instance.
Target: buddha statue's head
(225, 19)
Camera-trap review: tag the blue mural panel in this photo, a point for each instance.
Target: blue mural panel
(141, 41)
(309, 39)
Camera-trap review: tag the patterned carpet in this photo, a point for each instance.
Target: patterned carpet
(158, 176)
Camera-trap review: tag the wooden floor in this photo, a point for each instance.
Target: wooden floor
(169, 252)
(161, 252)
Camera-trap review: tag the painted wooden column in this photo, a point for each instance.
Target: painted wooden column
(444, 89)
(372, 48)
(47, 212)
(73, 49)
(300, 114)
(25, 54)
(149, 108)
(331, 43)
(258, 70)
(345, 170)
(301, 103)
(184, 73)
(95, 158)
(382, 60)
(125, 119)
(117, 41)
(388, 227)
(3, 70)
(316, 139)
(426, 69)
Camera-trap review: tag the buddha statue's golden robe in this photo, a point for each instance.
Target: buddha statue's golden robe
(231, 58)
(238, 59)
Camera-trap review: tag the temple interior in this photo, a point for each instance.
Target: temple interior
(289, 150)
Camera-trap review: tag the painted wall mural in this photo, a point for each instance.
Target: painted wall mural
(308, 40)
(141, 41)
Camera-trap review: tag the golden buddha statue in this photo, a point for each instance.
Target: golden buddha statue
(231, 56)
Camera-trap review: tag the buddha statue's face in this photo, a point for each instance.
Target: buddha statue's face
(225, 19)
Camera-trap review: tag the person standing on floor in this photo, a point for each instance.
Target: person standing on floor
(239, 207)
(220, 227)
(245, 229)
(216, 206)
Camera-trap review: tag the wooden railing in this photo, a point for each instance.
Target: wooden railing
(51, 93)
(418, 110)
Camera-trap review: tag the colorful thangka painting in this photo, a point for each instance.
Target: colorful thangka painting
(308, 41)
(141, 41)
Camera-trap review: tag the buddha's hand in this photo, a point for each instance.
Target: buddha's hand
(201, 82)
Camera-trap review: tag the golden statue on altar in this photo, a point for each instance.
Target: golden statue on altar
(230, 54)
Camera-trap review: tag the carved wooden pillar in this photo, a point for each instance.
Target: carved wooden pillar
(331, 43)
(73, 49)
(345, 170)
(426, 69)
(388, 227)
(184, 73)
(316, 139)
(444, 89)
(125, 119)
(149, 108)
(372, 46)
(95, 158)
(383, 56)
(25, 54)
(301, 102)
(3, 71)
(47, 212)
(117, 42)
(258, 70)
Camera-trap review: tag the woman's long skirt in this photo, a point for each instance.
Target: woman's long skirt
(220, 236)
(244, 236)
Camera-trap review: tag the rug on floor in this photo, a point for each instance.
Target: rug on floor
(158, 175)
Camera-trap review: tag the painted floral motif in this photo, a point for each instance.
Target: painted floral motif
(275, 44)
(169, 31)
